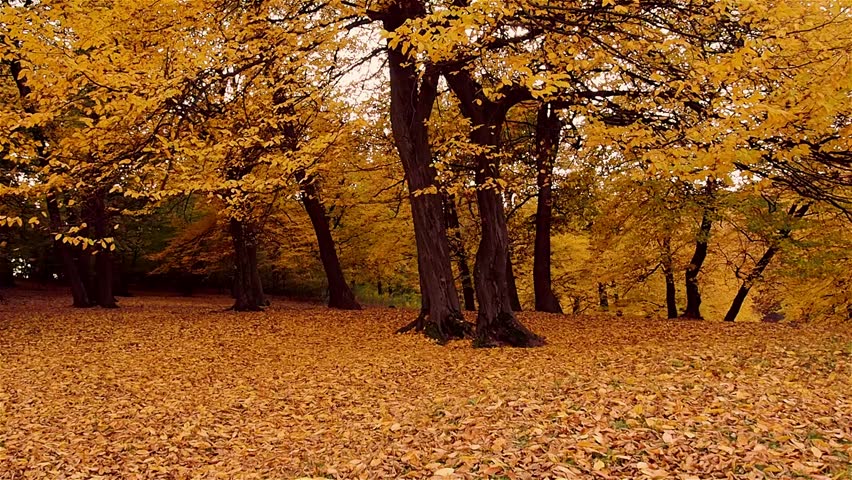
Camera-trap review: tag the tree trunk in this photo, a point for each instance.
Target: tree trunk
(794, 212)
(451, 215)
(496, 324)
(412, 99)
(547, 136)
(69, 266)
(64, 250)
(514, 299)
(248, 292)
(339, 294)
(668, 273)
(602, 297)
(693, 295)
(103, 280)
(7, 273)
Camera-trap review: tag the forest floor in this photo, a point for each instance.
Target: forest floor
(177, 388)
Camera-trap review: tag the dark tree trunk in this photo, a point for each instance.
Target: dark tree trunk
(121, 280)
(668, 273)
(64, 250)
(451, 215)
(468, 292)
(496, 324)
(7, 272)
(602, 297)
(412, 99)
(248, 291)
(103, 280)
(70, 269)
(339, 294)
(794, 212)
(514, 299)
(693, 295)
(547, 137)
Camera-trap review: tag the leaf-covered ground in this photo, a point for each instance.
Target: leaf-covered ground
(175, 388)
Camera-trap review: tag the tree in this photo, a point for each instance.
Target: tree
(795, 212)
(412, 98)
(547, 137)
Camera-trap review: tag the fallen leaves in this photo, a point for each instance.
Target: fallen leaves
(169, 388)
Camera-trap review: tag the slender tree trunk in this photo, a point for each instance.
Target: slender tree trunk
(453, 224)
(121, 283)
(72, 274)
(412, 98)
(668, 273)
(693, 294)
(467, 284)
(339, 294)
(103, 280)
(7, 272)
(248, 292)
(760, 266)
(602, 297)
(496, 324)
(514, 299)
(547, 137)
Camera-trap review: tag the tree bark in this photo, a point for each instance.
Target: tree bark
(514, 299)
(453, 224)
(668, 273)
(103, 281)
(69, 266)
(248, 291)
(693, 294)
(66, 254)
(412, 98)
(795, 212)
(340, 296)
(602, 297)
(547, 137)
(7, 275)
(496, 324)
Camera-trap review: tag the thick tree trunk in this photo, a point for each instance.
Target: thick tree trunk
(248, 291)
(412, 99)
(693, 294)
(339, 294)
(547, 136)
(668, 273)
(66, 256)
(794, 212)
(496, 324)
(453, 224)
